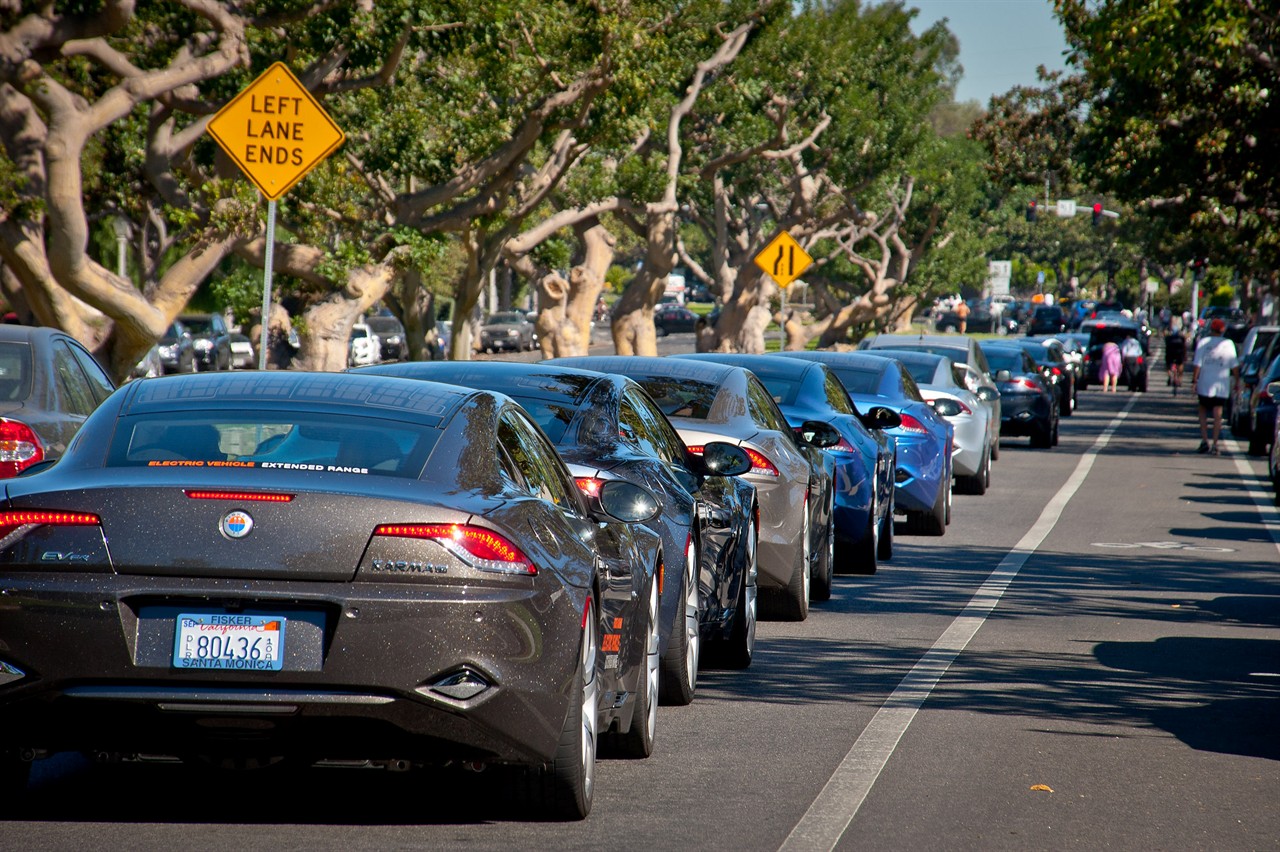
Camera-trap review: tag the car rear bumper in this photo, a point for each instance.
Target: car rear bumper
(363, 674)
(1023, 414)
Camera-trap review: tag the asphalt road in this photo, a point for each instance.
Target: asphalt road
(1088, 659)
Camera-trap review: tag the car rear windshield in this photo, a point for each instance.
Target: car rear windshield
(680, 397)
(292, 441)
(198, 325)
(922, 373)
(506, 319)
(15, 371)
(554, 419)
(858, 381)
(1005, 359)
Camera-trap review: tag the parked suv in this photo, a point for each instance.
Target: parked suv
(395, 346)
(1129, 336)
(211, 338)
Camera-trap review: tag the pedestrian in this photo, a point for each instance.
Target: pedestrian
(1175, 354)
(1215, 366)
(962, 314)
(1112, 364)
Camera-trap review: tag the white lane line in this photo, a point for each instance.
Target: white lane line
(835, 807)
(1267, 509)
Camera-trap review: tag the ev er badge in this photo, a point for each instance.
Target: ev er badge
(236, 524)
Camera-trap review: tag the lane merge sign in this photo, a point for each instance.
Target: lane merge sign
(783, 259)
(275, 131)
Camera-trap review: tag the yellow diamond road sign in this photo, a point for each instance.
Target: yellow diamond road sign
(784, 259)
(275, 131)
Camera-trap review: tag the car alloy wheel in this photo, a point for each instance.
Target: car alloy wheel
(638, 740)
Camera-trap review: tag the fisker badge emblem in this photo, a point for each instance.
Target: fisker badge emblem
(236, 524)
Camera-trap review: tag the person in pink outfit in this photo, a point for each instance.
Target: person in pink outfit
(1112, 364)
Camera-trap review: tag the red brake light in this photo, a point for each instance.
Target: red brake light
(1057, 371)
(10, 521)
(247, 496)
(1024, 383)
(19, 448)
(478, 547)
(761, 465)
(589, 485)
(911, 424)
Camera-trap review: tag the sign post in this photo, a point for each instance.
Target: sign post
(276, 132)
(784, 260)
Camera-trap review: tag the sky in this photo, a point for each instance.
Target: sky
(1001, 41)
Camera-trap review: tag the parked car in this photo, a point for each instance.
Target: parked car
(1273, 463)
(1259, 337)
(364, 348)
(1029, 405)
(211, 339)
(1135, 363)
(981, 320)
(1051, 358)
(963, 350)
(924, 439)
(673, 319)
(942, 384)
(1236, 320)
(391, 337)
(1237, 414)
(1262, 411)
(177, 349)
(507, 330)
(49, 384)
(708, 402)
(605, 428)
(457, 598)
(865, 458)
(149, 366)
(1047, 319)
(242, 354)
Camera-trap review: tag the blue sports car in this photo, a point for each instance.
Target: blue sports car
(924, 439)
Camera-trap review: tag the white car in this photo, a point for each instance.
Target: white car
(365, 347)
(242, 357)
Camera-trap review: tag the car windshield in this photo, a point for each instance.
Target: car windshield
(359, 332)
(293, 441)
(15, 371)
(198, 325)
(384, 324)
(506, 319)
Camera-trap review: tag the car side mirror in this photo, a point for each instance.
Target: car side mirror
(987, 394)
(818, 434)
(1003, 376)
(880, 417)
(719, 458)
(625, 501)
(1273, 389)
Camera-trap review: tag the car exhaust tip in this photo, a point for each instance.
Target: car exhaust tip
(458, 686)
(10, 673)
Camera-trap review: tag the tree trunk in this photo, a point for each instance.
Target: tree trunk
(571, 305)
(326, 343)
(632, 324)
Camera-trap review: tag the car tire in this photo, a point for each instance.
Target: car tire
(977, 483)
(820, 588)
(678, 678)
(995, 449)
(14, 776)
(637, 741)
(737, 651)
(866, 552)
(1042, 437)
(1053, 438)
(934, 521)
(1066, 407)
(563, 788)
(659, 331)
(884, 545)
(1257, 443)
(793, 602)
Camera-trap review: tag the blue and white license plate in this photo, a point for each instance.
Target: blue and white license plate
(229, 641)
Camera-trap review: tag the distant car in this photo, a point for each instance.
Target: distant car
(391, 336)
(507, 331)
(49, 384)
(438, 343)
(242, 355)
(1273, 465)
(1236, 320)
(698, 293)
(364, 346)
(1047, 319)
(1029, 405)
(149, 366)
(982, 319)
(177, 349)
(1135, 363)
(671, 319)
(1051, 358)
(211, 339)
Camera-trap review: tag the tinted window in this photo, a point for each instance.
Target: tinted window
(292, 441)
(198, 325)
(1006, 359)
(99, 382)
(764, 411)
(837, 396)
(537, 461)
(634, 430)
(910, 389)
(15, 371)
(553, 419)
(74, 388)
(681, 397)
(783, 391)
(858, 381)
(666, 442)
(921, 373)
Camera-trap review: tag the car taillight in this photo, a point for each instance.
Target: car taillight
(478, 547)
(10, 521)
(1025, 383)
(911, 424)
(589, 485)
(246, 496)
(1057, 371)
(19, 448)
(760, 465)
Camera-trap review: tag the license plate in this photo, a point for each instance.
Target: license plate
(229, 641)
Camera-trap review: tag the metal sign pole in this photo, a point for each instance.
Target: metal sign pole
(266, 282)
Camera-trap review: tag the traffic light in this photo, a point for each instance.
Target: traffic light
(1031, 210)
(1097, 215)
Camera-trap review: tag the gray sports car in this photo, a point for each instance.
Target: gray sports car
(709, 402)
(244, 568)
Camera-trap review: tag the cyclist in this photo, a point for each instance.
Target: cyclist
(1175, 354)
